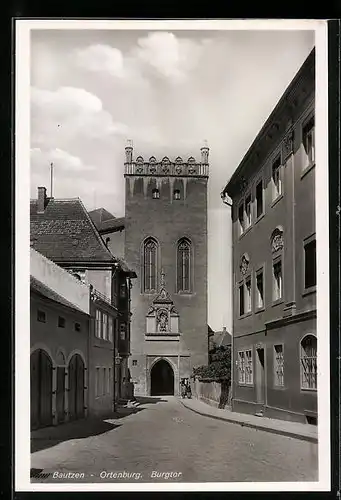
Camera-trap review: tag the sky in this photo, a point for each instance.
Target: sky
(166, 91)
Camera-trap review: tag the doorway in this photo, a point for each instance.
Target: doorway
(41, 389)
(162, 379)
(260, 375)
(76, 387)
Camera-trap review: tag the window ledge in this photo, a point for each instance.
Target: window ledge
(246, 315)
(309, 291)
(259, 218)
(307, 169)
(166, 337)
(306, 389)
(245, 385)
(245, 232)
(277, 302)
(259, 310)
(276, 200)
(279, 387)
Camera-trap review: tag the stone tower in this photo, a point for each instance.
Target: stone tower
(166, 244)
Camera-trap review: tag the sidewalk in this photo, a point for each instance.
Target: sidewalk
(295, 430)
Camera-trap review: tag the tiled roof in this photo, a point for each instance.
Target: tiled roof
(41, 289)
(105, 221)
(65, 233)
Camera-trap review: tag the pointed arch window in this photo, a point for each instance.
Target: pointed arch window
(184, 266)
(150, 265)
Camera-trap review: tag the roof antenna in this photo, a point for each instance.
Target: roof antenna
(51, 176)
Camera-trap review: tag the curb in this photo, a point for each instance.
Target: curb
(291, 434)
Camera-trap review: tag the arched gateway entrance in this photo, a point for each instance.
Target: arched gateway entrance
(162, 379)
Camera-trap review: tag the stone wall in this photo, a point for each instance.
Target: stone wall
(216, 394)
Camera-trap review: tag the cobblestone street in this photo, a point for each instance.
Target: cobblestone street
(163, 436)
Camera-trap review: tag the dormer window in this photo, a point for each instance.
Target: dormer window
(177, 195)
(156, 194)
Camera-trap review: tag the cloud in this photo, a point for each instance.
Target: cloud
(163, 53)
(170, 56)
(68, 112)
(62, 160)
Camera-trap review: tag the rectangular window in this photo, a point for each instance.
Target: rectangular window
(248, 367)
(41, 316)
(104, 326)
(241, 367)
(97, 383)
(276, 178)
(278, 365)
(248, 295)
(61, 322)
(108, 380)
(309, 363)
(241, 300)
(110, 328)
(122, 331)
(310, 264)
(248, 212)
(98, 323)
(259, 199)
(104, 381)
(308, 135)
(260, 289)
(77, 327)
(134, 362)
(241, 219)
(277, 280)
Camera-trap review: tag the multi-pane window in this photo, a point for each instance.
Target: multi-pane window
(150, 265)
(104, 380)
(184, 266)
(109, 381)
(110, 328)
(156, 194)
(278, 365)
(97, 383)
(134, 362)
(241, 219)
(105, 326)
(309, 362)
(276, 178)
(309, 142)
(277, 280)
(123, 329)
(41, 316)
(248, 211)
(260, 289)
(245, 371)
(177, 194)
(241, 300)
(259, 199)
(98, 323)
(248, 295)
(245, 296)
(310, 264)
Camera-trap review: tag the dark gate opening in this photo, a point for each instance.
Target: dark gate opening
(76, 387)
(162, 379)
(41, 389)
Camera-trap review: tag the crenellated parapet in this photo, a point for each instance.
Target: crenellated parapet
(166, 167)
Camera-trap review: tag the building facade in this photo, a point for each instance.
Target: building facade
(166, 245)
(59, 338)
(274, 261)
(63, 231)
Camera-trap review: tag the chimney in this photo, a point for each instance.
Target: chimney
(204, 153)
(129, 151)
(41, 200)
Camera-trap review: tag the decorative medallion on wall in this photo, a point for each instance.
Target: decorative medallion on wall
(165, 169)
(244, 264)
(178, 169)
(162, 317)
(191, 170)
(152, 169)
(277, 242)
(139, 169)
(288, 144)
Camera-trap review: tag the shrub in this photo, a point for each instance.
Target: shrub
(219, 368)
